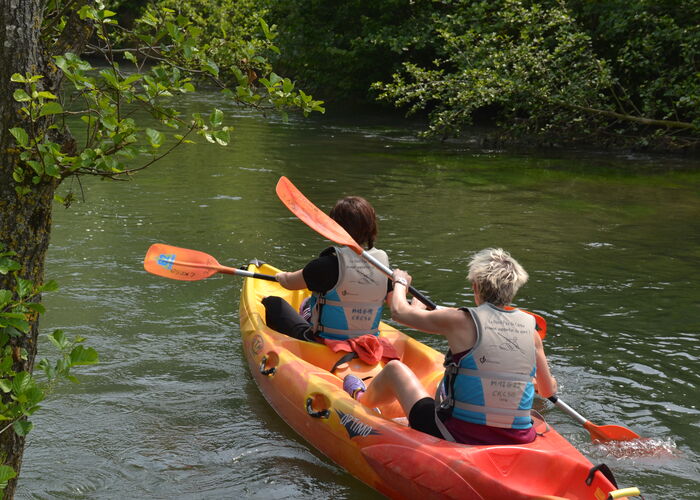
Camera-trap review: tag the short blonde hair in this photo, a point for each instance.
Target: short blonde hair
(497, 275)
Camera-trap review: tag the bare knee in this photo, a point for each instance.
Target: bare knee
(398, 370)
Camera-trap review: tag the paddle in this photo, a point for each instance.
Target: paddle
(599, 433)
(322, 223)
(189, 265)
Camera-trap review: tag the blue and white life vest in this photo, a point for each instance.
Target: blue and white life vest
(353, 307)
(493, 383)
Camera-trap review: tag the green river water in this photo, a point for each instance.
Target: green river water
(611, 242)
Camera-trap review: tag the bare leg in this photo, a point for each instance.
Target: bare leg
(395, 381)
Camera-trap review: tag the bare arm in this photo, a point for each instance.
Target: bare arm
(447, 321)
(291, 280)
(546, 383)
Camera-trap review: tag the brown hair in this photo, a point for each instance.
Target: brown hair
(358, 218)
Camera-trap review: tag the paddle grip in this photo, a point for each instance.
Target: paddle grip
(425, 300)
(248, 274)
(268, 277)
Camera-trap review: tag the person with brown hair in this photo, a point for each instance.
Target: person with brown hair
(486, 394)
(347, 292)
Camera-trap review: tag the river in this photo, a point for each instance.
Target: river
(611, 242)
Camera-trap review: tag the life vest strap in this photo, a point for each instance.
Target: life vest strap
(512, 377)
(344, 334)
(492, 410)
(324, 300)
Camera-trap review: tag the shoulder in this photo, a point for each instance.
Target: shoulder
(321, 274)
(452, 319)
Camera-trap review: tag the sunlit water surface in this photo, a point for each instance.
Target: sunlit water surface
(612, 245)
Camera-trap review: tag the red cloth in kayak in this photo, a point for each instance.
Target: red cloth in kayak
(369, 348)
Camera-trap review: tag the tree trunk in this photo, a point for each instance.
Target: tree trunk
(25, 221)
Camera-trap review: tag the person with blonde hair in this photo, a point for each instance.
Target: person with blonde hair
(494, 356)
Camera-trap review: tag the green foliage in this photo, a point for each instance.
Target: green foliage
(167, 53)
(340, 48)
(6, 473)
(579, 69)
(20, 394)
(654, 49)
(521, 61)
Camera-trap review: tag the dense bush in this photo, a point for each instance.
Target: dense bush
(617, 71)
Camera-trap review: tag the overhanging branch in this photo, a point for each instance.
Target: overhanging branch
(630, 118)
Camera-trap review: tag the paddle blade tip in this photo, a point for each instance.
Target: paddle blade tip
(166, 261)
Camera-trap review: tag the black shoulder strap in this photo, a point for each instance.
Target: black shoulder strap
(344, 359)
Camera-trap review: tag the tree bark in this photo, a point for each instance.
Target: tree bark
(25, 221)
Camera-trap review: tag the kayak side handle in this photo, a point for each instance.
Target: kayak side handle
(264, 368)
(325, 413)
(624, 492)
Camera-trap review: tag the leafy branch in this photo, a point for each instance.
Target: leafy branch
(168, 56)
(20, 394)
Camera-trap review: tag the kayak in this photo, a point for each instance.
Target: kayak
(376, 445)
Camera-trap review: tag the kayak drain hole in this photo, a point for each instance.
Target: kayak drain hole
(317, 406)
(268, 364)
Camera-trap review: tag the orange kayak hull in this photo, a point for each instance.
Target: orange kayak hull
(379, 448)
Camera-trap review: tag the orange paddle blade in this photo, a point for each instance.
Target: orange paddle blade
(312, 216)
(180, 263)
(603, 433)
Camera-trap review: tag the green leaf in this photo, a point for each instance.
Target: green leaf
(22, 383)
(53, 171)
(5, 297)
(222, 137)
(266, 29)
(133, 78)
(216, 117)
(20, 324)
(7, 265)
(36, 307)
(22, 427)
(49, 286)
(21, 95)
(155, 137)
(58, 338)
(18, 78)
(211, 67)
(51, 108)
(24, 287)
(47, 95)
(34, 397)
(6, 473)
(5, 385)
(83, 356)
(130, 57)
(20, 136)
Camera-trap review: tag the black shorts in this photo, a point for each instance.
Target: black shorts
(422, 417)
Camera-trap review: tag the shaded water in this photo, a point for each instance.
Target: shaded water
(612, 245)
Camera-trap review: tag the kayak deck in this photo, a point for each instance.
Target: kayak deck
(378, 447)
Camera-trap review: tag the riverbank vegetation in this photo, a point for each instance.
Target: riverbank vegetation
(609, 74)
(613, 74)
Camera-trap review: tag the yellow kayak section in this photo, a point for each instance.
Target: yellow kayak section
(376, 445)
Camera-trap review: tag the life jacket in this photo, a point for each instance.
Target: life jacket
(493, 383)
(353, 307)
